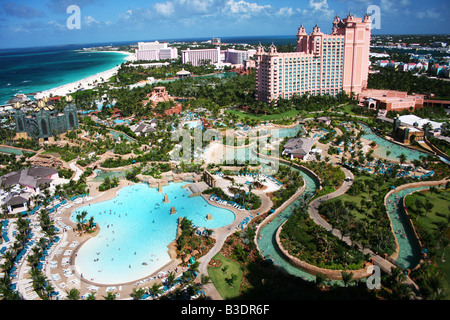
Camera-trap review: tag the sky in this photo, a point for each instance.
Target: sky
(30, 23)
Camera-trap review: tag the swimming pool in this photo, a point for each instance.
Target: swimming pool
(101, 175)
(385, 145)
(409, 250)
(135, 229)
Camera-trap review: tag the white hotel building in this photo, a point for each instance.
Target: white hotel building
(154, 51)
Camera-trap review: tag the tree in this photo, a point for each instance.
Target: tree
(73, 294)
(171, 279)
(110, 296)
(155, 290)
(347, 278)
(229, 280)
(428, 206)
(320, 280)
(402, 158)
(137, 293)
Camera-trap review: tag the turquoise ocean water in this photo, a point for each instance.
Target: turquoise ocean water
(32, 70)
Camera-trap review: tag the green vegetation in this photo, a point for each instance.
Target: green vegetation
(361, 214)
(429, 211)
(292, 181)
(227, 277)
(264, 117)
(311, 243)
(108, 183)
(388, 78)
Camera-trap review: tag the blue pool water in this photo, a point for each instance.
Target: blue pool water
(242, 154)
(385, 145)
(139, 211)
(267, 243)
(409, 249)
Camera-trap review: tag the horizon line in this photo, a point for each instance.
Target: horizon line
(203, 37)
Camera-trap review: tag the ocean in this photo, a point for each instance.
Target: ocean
(31, 70)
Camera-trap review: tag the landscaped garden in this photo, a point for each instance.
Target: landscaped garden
(430, 213)
(313, 244)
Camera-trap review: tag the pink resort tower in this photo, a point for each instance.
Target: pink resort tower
(322, 64)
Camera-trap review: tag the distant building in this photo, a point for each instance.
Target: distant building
(30, 178)
(154, 51)
(406, 134)
(322, 64)
(298, 148)
(142, 129)
(160, 94)
(45, 121)
(198, 57)
(325, 120)
(238, 56)
(413, 120)
(390, 100)
(183, 74)
(23, 184)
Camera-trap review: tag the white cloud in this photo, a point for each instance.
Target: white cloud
(321, 7)
(164, 9)
(429, 13)
(285, 12)
(244, 9)
(89, 20)
(393, 6)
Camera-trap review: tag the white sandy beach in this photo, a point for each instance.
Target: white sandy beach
(86, 83)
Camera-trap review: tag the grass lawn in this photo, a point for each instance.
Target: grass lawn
(262, 117)
(218, 277)
(441, 203)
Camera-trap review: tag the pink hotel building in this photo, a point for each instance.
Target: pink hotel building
(322, 64)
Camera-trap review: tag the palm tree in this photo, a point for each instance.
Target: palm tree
(428, 206)
(320, 280)
(347, 278)
(110, 296)
(171, 279)
(91, 296)
(402, 291)
(73, 294)
(204, 279)
(402, 158)
(137, 293)
(155, 289)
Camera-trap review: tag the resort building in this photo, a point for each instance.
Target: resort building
(322, 63)
(45, 121)
(390, 100)
(22, 184)
(160, 94)
(324, 120)
(200, 57)
(142, 129)
(153, 51)
(298, 148)
(238, 56)
(407, 134)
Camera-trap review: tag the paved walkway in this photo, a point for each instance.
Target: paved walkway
(221, 235)
(384, 264)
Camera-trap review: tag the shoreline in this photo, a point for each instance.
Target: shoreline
(85, 83)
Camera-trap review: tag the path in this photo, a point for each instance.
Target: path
(221, 235)
(384, 264)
